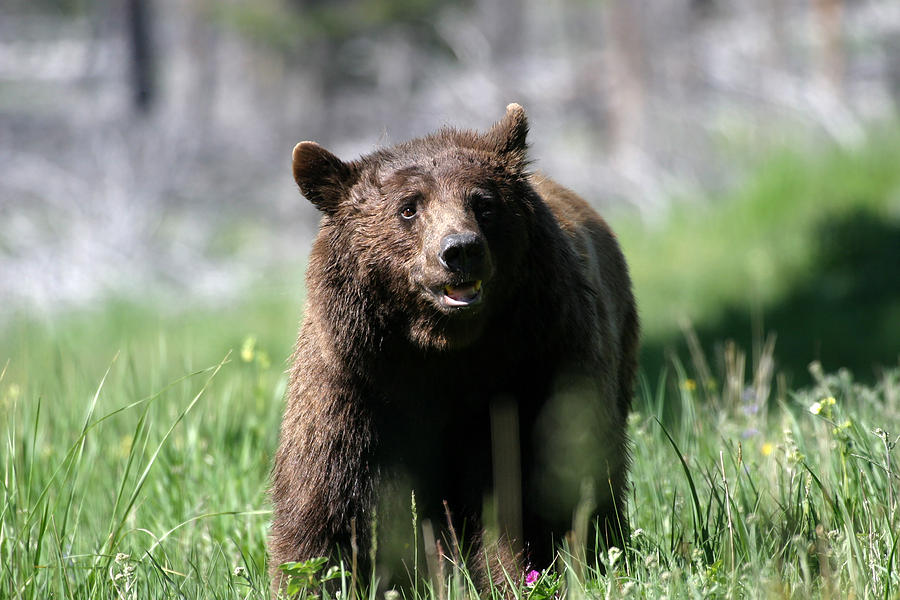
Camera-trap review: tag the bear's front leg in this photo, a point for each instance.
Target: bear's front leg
(323, 479)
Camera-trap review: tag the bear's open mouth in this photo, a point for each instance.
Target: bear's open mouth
(464, 294)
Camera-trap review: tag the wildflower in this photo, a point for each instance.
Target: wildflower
(11, 395)
(614, 554)
(823, 406)
(749, 394)
(791, 450)
(841, 429)
(795, 456)
(689, 385)
(248, 349)
(531, 578)
(767, 448)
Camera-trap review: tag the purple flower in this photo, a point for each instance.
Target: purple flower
(531, 578)
(750, 432)
(750, 409)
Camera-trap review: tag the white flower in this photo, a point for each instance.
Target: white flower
(613, 555)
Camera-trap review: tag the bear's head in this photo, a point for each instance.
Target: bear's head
(430, 235)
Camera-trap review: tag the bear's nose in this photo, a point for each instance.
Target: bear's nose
(462, 253)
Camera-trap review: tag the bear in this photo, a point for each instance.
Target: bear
(469, 324)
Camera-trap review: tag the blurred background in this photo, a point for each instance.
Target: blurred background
(748, 154)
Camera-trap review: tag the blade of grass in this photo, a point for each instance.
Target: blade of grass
(698, 512)
(74, 450)
(139, 433)
(80, 440)
(62, 571)
(34, 434)
(890, 565)
(39, 544)
(113, 537)
(235, 513)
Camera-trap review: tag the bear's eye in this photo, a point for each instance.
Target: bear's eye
(483, 204)
(409, 210)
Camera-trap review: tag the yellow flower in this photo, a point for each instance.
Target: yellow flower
(829, 401)
(248, 348)
(689, 385)
(11, 395)
(842, 427)
(767, 448)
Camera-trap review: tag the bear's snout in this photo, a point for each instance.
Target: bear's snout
(463, 253)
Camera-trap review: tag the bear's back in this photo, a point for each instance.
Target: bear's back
(602, 262)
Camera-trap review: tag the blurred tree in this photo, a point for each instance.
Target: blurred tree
(139, 23)
(626, 72)
(776, 50)
(829, 16)
(703, 8)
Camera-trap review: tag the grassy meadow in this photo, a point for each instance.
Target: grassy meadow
(137, 438)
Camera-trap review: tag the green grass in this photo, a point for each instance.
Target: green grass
(147, 456)
(130, 469)
(807, 248)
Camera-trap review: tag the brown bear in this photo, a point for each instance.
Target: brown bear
(469, 324)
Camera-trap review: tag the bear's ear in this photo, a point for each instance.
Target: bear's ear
(508, 135)
(322, 176)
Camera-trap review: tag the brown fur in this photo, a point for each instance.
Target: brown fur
(386, 379)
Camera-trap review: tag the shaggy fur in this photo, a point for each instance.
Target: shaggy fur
(387, 377)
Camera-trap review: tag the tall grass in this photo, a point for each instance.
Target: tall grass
(750, 491)
(139, 475)
(806, 247)
(144, 479)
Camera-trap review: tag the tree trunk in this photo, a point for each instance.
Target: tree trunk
(140, 39)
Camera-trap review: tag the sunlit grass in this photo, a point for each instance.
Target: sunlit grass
(749, 250)
(140, 478)
(145, 477)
